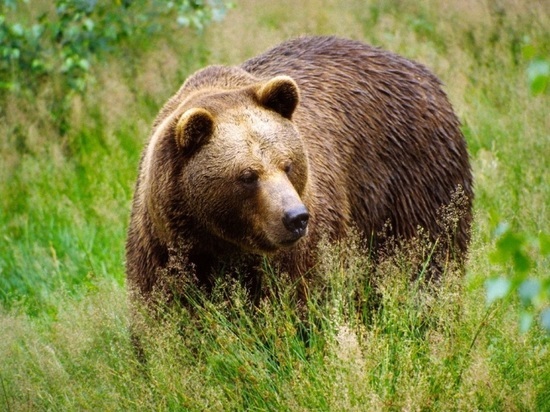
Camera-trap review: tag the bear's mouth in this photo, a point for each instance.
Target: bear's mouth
(293, 239)
(267, 244)
(289, 243)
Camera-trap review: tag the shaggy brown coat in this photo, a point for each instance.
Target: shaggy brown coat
(357, 135)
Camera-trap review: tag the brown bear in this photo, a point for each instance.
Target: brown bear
(314, 137)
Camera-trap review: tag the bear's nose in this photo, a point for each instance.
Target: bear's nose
(295, 220)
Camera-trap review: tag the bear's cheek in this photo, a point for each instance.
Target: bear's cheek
(228, 213)
(299, 174)
(253, 221)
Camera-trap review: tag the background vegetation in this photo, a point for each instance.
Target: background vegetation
(80, 85)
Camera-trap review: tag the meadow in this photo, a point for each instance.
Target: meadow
(68, 165)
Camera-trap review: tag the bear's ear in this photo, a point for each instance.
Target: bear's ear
(193, 129)
(280, 94)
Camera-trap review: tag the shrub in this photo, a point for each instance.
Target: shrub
(72, 38)
(59, 47)
(514, 259)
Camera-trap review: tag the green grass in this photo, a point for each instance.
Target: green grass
(65, 204)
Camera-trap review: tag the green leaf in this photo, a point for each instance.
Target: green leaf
(509, 247)
(509, 242)
(529, 291)
(522, 262)
(545, 319)
(84, 64)
(497, 288)
(501, 228)
(15, 53)
(544, 244)
(17, 29)
(525, 321)
(6, 85)
(538, 75)
(88, 24)
(528, 51)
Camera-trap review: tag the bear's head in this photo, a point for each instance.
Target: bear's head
(229, 164)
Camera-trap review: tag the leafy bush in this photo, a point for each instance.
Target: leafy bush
(538, 69)
(514, 260)
(71, 39)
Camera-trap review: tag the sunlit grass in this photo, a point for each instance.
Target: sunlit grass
(419, 349)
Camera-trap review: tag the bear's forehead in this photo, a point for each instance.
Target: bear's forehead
(255, 137)
(253, 126)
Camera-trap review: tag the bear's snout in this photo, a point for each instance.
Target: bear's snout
(295, 220)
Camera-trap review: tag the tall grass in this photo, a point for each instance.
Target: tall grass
(65, 202)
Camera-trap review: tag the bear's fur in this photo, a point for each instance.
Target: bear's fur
(313, 137)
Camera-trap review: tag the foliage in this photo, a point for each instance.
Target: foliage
(77, 33)
(60, 47)
(538, 69)
(516, 256)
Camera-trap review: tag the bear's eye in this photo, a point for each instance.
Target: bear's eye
(249, 177)
(287, 167)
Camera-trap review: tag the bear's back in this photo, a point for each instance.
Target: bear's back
(382, 138)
